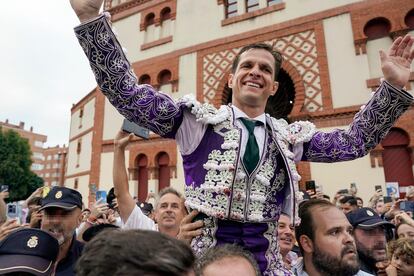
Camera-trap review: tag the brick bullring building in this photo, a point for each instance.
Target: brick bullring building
(331, 67)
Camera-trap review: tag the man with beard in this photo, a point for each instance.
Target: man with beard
(61, 215)
(370, 237)
(325, 241)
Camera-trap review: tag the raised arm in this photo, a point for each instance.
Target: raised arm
(126, 203)
(372, 123)
(396, 63)
(86, 9)
(114, 74)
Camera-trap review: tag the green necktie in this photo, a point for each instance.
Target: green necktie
(251, 154)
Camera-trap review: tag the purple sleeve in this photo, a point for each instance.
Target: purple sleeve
(369, 127)
(141, 104)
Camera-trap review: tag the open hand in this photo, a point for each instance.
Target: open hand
(8, 227)
(396, 63)
(122, 139)
(189, 229)
(86, 9)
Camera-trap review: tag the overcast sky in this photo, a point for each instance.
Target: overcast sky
(43, 69)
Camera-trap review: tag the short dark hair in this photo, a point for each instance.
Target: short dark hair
(349, 199)
(276, 55)
(214, 254)
(307, 226)
(135, 252)
(167, 190)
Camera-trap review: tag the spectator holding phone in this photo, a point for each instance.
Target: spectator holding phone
(98, 215)
(170, 213)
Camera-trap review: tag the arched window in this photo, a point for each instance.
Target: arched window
(164, 77)
(145, 79)
(396, 158)
(166, 23)
(377, 31)
(165, 14)
(377, 28)
(142, 164)
(149, 19)
(231, 8)
(163, 161)
(252, 5)
(409, 19)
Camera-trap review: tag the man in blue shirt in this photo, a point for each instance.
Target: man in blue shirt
(61, 215)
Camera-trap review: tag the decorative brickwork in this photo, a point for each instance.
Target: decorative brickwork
(299, 50)
(392, 10)
(157, 10)
(154, 67)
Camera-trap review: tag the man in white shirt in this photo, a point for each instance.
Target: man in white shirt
(169, 206)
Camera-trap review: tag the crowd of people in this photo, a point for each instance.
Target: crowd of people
(242, 212)
(62, 237)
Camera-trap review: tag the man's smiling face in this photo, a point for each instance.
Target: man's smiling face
(253, 80)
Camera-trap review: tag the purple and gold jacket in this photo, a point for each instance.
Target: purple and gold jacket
(216, 181)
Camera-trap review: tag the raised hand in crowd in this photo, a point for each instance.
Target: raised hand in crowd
(126, 202)
(10, 226)
(108, 218)
(4, 195)
(403, 217)
(190, 229)
(35, 217)
(3, 206)
(98, 210)
(98, 215)
(394, 210)
(86, 9)
(37, 193)
(396, 63)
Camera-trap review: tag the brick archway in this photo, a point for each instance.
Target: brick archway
(223, 94)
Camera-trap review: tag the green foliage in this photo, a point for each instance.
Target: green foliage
(15, 162)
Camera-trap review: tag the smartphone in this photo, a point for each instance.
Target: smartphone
(353, 186)
(378, 187)
(199, 216)
(131, 127)
(14, 211)
(407, 206)
(387, 199)
(310, 186)
(343, 192)
(4, 188)
(101, 195)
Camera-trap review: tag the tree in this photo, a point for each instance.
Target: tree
(15, 162)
